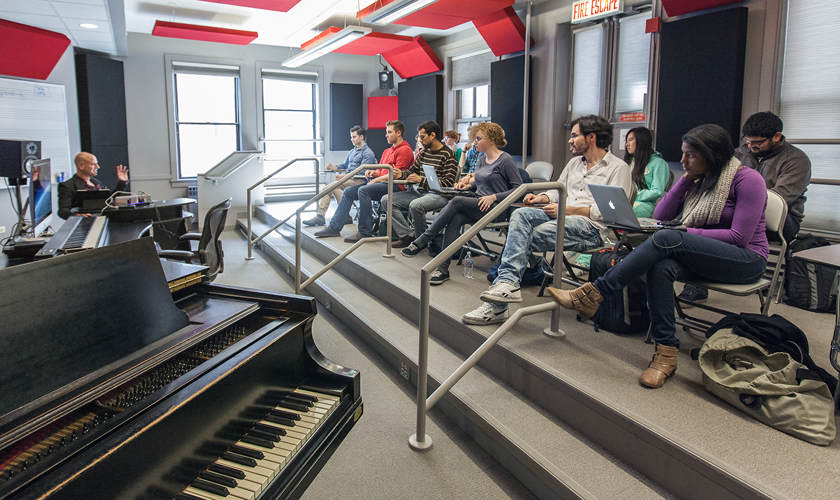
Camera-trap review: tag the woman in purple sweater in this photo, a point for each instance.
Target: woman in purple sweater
(722, 203)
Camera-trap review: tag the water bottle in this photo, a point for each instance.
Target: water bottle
(468, 266)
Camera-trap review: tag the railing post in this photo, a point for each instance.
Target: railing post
(250, 219)
(420, 440)
(297, 253)
(388, 253)
(554, 330)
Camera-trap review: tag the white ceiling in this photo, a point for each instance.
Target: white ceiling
(117, 17)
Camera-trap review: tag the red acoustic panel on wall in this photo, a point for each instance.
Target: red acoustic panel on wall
(680, 7)
(503, 31)
(278, 5)
(374, 43)
(29, 52)
(413, 59)
(203, 33)
(381, 110)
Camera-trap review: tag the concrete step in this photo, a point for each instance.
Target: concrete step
(549, 457)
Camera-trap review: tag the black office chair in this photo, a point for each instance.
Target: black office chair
(209, 252)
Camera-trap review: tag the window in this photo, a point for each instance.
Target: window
(207, 117)
(588, 50)
(633, 60)
(471, 84)
(810, 105)
(290, 119)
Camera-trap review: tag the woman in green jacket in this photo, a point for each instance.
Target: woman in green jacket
(648, 170)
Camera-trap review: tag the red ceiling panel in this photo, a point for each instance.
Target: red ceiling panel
(680, 7)
(413, 59)
(503, 31)
(278, 5)
(203, 33)
(29, 52)
(444, 14)
(381, 110)
(374, 43)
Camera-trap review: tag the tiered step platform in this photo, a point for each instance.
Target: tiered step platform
(567, 417)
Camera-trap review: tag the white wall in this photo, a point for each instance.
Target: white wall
(147, 114)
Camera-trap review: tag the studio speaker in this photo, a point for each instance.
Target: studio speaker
(15, 157)
(386, 80)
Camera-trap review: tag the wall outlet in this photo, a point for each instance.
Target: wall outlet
(2, 229)
(328, 305)
(404, 370)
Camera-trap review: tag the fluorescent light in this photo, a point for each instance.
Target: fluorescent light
(327, 45)
(89, 26)
(395, 10)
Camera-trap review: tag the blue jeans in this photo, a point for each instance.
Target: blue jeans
(531, 230)
(364, 193)
(670, 255)
(417, 203)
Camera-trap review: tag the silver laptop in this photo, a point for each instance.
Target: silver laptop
(615, 209)
(434, 184)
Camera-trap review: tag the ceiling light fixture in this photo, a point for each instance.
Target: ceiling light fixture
(327, 45)
(393, 11)
(89, 26)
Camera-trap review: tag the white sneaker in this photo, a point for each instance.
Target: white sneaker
(502, 293)
(486, 314)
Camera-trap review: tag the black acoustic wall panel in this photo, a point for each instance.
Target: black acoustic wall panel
(421, 99)
(345, 113)
(507, 80)
(377, 142)
(100, 85)
(701, 76)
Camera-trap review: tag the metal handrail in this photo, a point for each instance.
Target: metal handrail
(327, 190)
(262, 181)
(421, 441)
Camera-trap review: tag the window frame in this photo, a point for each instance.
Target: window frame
(318, 141)
(174, 156)
(616, 115)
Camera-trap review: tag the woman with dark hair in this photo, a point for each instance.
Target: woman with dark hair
(648, 170)
(496, 177)
(722, 203)
(451, 138)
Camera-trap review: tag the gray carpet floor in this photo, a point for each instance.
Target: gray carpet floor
(375, 461)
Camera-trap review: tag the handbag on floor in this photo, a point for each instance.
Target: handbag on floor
(772, 388)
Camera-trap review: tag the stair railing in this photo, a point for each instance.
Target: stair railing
(420, 440)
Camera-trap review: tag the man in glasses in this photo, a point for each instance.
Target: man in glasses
(785, 168)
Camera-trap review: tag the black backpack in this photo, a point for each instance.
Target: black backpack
(623, 312)
(808, 285)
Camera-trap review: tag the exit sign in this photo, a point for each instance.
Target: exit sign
(589, 10)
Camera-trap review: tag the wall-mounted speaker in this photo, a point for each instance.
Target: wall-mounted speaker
(386, 80)
(15, 157)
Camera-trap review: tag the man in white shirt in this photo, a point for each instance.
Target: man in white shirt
(535, 229)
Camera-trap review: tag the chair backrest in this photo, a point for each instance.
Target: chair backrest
(540, 171)
(634, 191)
(210, 251)
(670, 181)
(775, 213)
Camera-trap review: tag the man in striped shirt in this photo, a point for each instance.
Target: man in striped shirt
(420, 200)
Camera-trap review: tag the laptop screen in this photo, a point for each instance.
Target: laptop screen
(614, 206)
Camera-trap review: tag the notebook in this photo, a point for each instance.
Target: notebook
(615, 209)
(434, 184)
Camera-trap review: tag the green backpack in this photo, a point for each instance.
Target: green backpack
(772, 388)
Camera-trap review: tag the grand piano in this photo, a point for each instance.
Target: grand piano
(115, 387)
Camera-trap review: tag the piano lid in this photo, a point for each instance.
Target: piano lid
(67, 317)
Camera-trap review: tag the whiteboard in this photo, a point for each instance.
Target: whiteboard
(36, 111)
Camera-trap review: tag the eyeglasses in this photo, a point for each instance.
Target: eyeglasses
(755, 144)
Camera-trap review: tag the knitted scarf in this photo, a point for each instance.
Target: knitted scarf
(704, 209)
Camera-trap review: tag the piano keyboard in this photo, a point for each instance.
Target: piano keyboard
(78, 233)
(55, 437)
(249, 466)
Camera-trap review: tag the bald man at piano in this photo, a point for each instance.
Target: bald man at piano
(85, 180)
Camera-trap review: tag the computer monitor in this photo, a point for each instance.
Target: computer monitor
(40, 195)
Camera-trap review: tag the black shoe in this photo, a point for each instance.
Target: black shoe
(318, 220)
(439, 277)
(693, 293)
(327, 232)
(413, 249)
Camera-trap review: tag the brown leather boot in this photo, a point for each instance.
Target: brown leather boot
(662, 366)
(585, 299)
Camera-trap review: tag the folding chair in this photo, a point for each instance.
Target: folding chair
(774, 216)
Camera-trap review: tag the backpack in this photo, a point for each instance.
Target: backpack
(531, 275)
(625, 311)
(808, 285)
